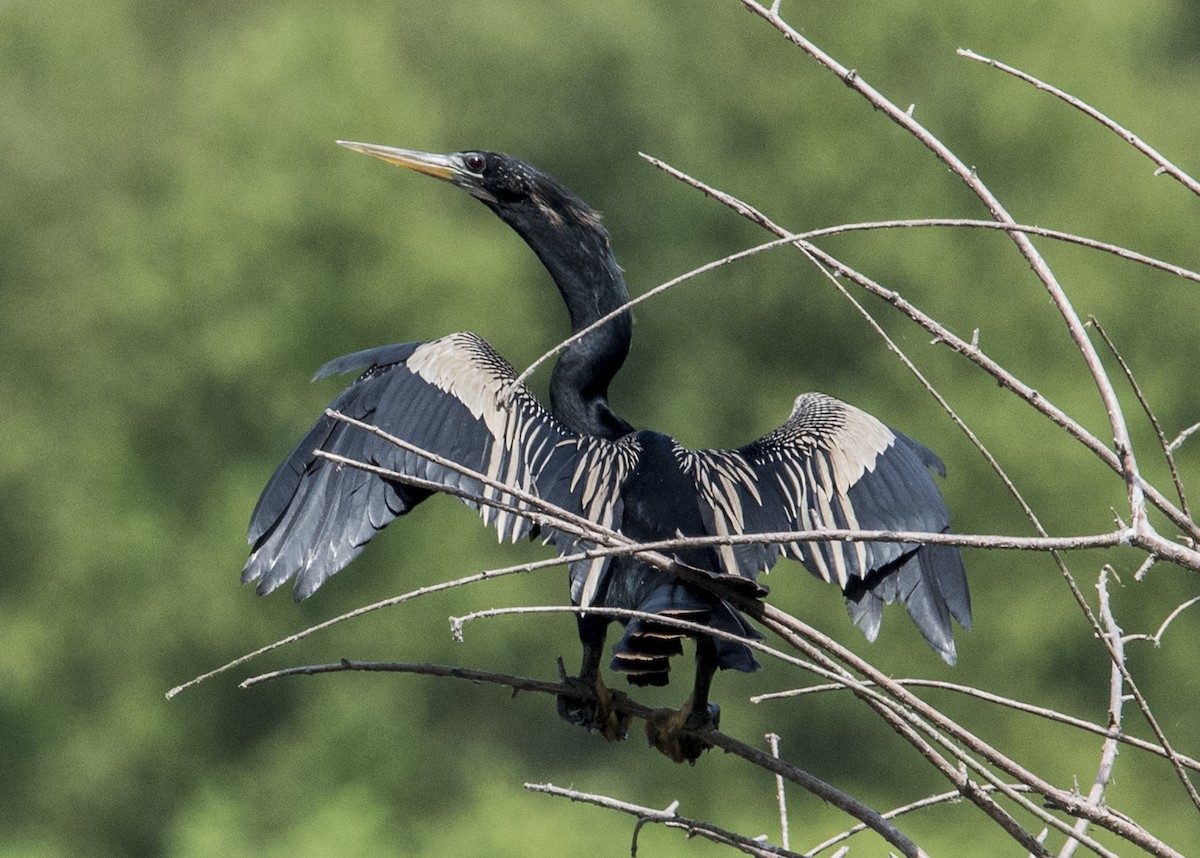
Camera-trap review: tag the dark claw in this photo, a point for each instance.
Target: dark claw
(592, 706)
(668, 730)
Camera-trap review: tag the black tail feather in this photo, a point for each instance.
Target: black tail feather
(644, 652)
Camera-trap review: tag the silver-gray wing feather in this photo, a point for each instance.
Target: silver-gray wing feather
(452, 397)
(832, 466)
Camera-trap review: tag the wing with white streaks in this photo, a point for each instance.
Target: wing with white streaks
(452, 397)
(833, 466)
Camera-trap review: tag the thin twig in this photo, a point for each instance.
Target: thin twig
(790, 238)
(556, 516)
(1028, 229)
(1156, 638)
(645, 296)
(1164, 166)
(668, 817)
(1149, 412)
(1116, 704)
(516, 683)
(367, 609)
(1183, 436)
(1008, 702)
(920, 804)
(780, 796)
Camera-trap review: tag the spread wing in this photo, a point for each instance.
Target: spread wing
(831, 465)
(443, 396)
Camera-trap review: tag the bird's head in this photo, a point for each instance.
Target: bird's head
(523, 196)
(573, 245)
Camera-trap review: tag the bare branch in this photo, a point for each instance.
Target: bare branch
(645, 296)
(668, 817)
(1116, 704)
(910, 707)
(516, 683)
(929, 801)
(826, 792)
(972, 352)
(1000, 542)
(1183, 436)
(1156, 638)
(1123, 446)
(1164, 166)
(1008, 702)
(790, 238)
(458, 624)
(968, 223)
(376, 606)
(1149, 412)
(558, 517)
(904, 715)
(780, 797)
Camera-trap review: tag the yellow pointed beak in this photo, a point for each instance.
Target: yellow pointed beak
(444, 167)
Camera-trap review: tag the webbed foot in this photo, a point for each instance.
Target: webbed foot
(668, 730)
(594, 706)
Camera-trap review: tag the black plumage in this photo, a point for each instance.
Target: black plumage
(829, 465)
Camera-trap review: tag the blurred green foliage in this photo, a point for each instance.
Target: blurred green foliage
(181, 244)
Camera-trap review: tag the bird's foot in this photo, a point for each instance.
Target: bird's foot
(595, 706)
(669, 730)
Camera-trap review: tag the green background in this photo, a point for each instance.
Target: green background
(181, 245)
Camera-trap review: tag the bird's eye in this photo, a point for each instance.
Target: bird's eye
(474, 162)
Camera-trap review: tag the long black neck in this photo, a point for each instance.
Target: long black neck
(578, 256)
(579, 382)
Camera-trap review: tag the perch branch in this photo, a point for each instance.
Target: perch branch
(826, 792)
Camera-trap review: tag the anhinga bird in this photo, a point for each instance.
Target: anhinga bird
(829, 465)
